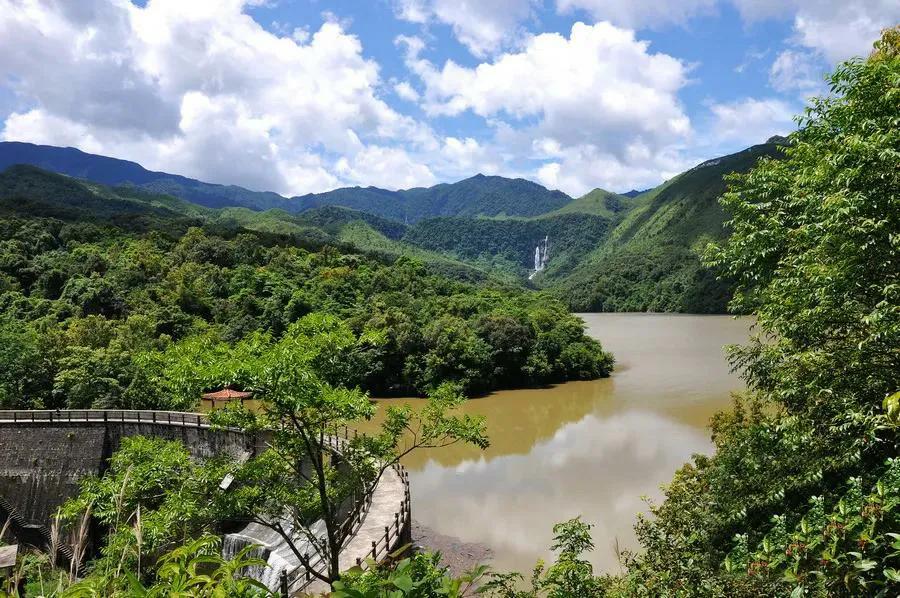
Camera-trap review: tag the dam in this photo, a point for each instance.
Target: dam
(44, 455)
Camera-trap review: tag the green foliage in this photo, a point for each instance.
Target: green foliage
(420, 576)
(849, 549)
(651, 259)
(195, 569)
(151, 499)
(508, 244)
(303, 479)
(569, 576)
(800, 497)
(102, 310)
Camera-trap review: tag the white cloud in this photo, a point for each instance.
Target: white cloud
(200, 88)
(638, 14)
(840, 29)
(405, 91)
(796, 70)
(836, 29)
(598, 86)
(598, 96)
(749, 121)
(483, 26)
(384, 167)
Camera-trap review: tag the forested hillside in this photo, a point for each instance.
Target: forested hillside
(508, 244)
(608, 252)
(651, 260)
(106, 298)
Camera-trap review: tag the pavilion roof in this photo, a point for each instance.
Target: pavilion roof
(226, 394)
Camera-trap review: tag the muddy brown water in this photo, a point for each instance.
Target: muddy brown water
(583, 448)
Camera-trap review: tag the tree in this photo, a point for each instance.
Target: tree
(152, 498)
(783, 506)
(569, 576)
(306, 478)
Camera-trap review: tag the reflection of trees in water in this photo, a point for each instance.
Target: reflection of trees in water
(591, 448)
(518, 419)
(598, 467)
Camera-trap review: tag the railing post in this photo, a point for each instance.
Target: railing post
(283, 584)
(374, 551)
(387, 537)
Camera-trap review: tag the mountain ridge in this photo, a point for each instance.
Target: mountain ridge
(479, 195)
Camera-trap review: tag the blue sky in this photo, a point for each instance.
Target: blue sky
(307, 95)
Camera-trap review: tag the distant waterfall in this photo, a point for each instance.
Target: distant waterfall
(541, 256)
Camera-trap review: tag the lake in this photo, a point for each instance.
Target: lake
(583, 448)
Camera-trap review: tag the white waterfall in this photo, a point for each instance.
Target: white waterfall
(541, 256)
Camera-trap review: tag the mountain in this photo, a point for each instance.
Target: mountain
(479, 195)
(112, 171)
(634, 193)
(650, 261)
(607, 252)
(508, 244)
(599, 202)
(29, 191)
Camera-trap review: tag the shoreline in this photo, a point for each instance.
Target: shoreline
(457, 555)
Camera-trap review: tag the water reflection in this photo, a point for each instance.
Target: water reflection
(588, 448)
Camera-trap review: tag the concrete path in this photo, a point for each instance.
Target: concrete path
(388, 501)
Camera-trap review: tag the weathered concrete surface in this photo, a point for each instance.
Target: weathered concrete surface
(42, 462)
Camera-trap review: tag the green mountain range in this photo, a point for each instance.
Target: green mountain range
(479, 195)
(637, 251)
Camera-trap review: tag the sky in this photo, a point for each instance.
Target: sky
(300, 96)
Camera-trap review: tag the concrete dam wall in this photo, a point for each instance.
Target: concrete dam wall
(44, 454)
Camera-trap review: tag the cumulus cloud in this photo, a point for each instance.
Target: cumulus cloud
(203, 89)
(751, 120)
(841, 29)
(598, 96)
(384, 167)
(835, 29)
(483, 26)
(405, 91)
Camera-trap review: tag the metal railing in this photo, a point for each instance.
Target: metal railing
(350, 526)
(170, 418)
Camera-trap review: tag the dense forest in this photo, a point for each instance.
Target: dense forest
(105, 298)
(508, 244)
(609, 252)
